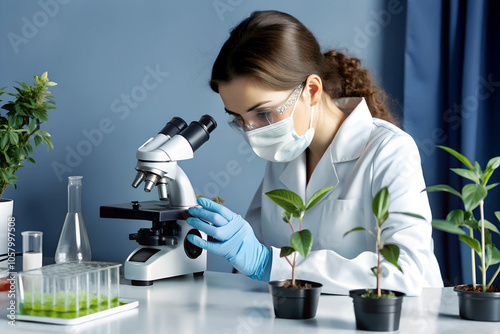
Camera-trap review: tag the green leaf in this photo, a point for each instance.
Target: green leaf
(302, 242)
(381, 205)
(374, 270)
(447, 226)
(443, 187)
(487, 237)
(14, 138)
(41, 115)
(48, 141)
(414, 215)
(468, 174)
(354, 229)
(7, 158)
(492, 255)
(317, 197)
(17, 108)
(472, 194)
(285, 251)
(493, 164)
(29, 147)
(4, 141)
(473, 243)
(457, 155)
(391, 254)
(491, 186)
(31, 125)
(287, 199)
(456, 217)
(287, 216)
(491, 227)
(497, 213)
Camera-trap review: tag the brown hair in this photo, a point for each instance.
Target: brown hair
(281, 52)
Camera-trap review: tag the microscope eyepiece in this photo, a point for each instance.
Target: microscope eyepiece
(173, 127)
(208, 122)
(198, 132)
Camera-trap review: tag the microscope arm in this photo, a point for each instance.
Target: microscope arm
(181, 192)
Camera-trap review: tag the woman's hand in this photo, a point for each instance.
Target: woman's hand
(235, 238)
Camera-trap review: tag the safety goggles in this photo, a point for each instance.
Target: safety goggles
(265, 117)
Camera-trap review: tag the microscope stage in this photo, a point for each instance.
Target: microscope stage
(149, 210)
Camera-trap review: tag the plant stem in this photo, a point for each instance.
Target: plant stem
(493, 278)
(293, 268)
(379, 261)
(473, 260)
(290, 222)
(483, 256)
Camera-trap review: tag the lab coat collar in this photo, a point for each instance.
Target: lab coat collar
(352, 137)
(347, 145)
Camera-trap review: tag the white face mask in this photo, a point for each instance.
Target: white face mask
(278, 142)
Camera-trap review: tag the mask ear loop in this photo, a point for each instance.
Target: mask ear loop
(312, 117)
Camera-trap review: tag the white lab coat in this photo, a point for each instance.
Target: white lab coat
(366, 155)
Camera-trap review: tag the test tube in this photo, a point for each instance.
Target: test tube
(32, 249)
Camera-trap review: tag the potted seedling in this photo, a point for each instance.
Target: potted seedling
(476, 301)
(294, 298)
(379, 309)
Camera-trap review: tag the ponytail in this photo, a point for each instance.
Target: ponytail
(346, 78)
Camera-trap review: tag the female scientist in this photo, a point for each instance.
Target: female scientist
(320, 121)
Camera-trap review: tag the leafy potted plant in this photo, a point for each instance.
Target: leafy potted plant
(379, 309)
(19, 128)
(292, 298)
(476, 301)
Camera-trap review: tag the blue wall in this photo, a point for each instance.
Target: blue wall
(102, 55)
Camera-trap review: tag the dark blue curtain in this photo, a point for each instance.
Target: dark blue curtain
(452, 98)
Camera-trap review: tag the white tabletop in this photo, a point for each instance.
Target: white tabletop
(232, 303)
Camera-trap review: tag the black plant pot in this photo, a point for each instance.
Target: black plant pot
(481, 306)
(377, 314)
(295, 303)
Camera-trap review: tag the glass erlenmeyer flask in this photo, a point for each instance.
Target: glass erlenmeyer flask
(74, 245)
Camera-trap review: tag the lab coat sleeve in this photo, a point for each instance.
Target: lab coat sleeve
(395, 165)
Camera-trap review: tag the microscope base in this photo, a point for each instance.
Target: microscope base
(149, 263)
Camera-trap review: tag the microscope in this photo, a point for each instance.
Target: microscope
(164, 250)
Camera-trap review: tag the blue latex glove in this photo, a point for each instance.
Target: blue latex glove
(237, 242)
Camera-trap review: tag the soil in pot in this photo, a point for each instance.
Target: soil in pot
(473, 304)
(377, 314)
(295, 303)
